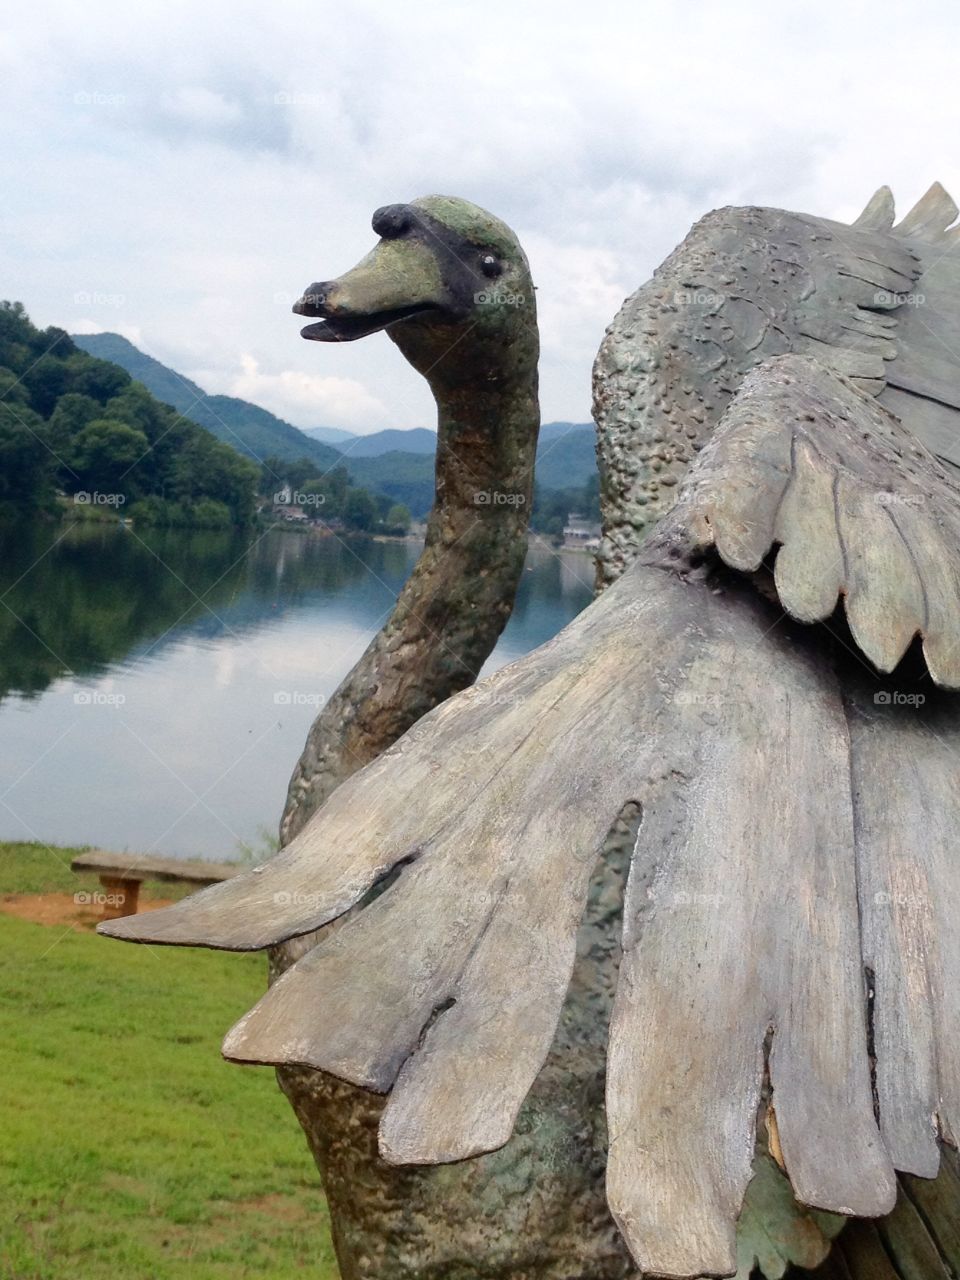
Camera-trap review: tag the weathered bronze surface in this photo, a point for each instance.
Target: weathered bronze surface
(757, 705)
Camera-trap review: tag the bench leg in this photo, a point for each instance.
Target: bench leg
(123, 897)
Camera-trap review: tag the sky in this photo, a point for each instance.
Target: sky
(179, 172)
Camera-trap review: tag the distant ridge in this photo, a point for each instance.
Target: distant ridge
(566, 455)
(328, 435)
(412, 440)
(250, 429)
(399, 463)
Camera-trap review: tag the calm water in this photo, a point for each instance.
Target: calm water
(157, 688)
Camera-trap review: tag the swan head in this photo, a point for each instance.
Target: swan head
(447, 282)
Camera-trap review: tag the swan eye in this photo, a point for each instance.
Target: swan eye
(489, 265)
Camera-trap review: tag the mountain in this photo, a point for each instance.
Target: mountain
(566, 455)
(328, 435)
(566, 459)
(392, 440)
(404, 476)
(396, 462)
(75, 425)
(551, 432)
(407, 477)
(253, 431)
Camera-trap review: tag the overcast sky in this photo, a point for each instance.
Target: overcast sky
(178, 172)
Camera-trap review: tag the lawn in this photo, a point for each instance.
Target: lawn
(128, 1149)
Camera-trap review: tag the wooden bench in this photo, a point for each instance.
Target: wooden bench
(122, 874)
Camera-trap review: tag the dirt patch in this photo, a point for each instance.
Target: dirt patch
(62, 910)
(286, 1208)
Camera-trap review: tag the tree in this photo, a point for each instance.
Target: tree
(589, 504)
(97, 378)
(337, 481)
(359, 509)
(15, 332)
(71, 417)
(398, 519)
(137, 407)
(332, 488)
(46, 381)
(12, 390)
(26, 468)
(72, 414)
(104, 453)
(205, 468)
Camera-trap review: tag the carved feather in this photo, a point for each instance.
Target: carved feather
(930, 217)
(856, 506)
(879, 213)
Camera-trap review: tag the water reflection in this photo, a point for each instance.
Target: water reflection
(157, 686)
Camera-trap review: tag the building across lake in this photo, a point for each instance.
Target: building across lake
(581, 533)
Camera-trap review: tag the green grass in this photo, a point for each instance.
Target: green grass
(41, 868)
(128, 1149)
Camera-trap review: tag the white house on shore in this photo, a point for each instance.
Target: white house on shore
(581, 533)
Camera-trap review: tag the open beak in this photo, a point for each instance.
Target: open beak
(346, 328)
(397, 280)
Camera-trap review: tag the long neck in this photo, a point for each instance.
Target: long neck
(456, 602)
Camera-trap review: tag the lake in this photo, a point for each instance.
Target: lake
(156, 687)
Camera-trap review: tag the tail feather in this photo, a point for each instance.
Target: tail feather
(879, 213)
(930, 217)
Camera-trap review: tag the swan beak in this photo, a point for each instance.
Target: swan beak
(398, 279)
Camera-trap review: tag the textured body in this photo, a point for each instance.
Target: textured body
(874, 303)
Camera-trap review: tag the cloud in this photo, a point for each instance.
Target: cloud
(305, 399)
(201, 108)
(200, 178)
(132, 332)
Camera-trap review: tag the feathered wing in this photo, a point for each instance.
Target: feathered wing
(875, 302)
(856, 505)
(836, 838)
(923, 381)
(781, 921)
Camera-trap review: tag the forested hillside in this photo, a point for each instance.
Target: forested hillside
(80, 425)
(396, 463)
(245, 426)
